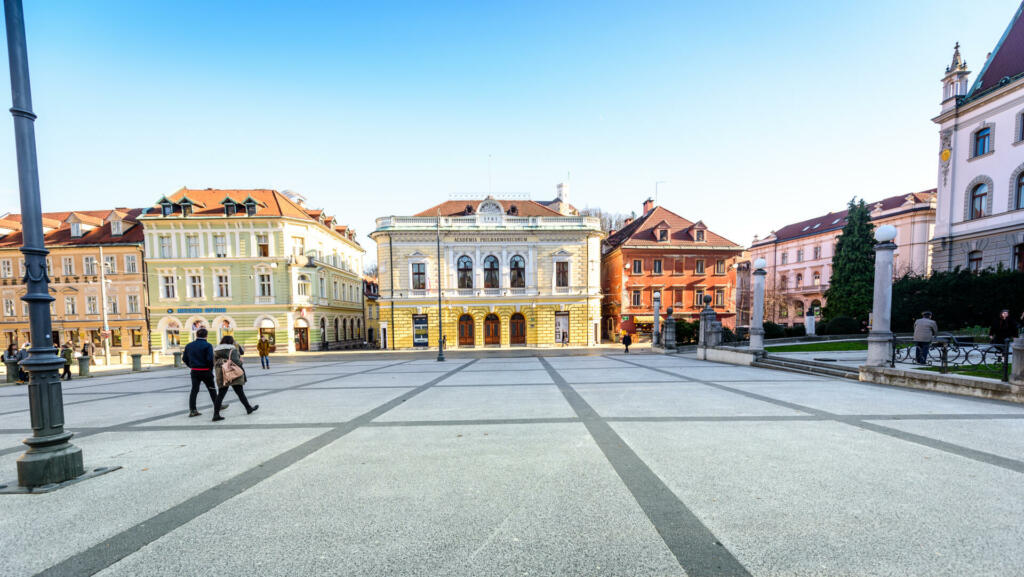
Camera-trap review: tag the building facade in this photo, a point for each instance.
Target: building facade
(371, 312)
(510, 272)
(251, 263)
(980, 216)
(95, 266)
(663, 252)
(799, 255)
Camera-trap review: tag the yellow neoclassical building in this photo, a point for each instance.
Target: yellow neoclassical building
(510, 272)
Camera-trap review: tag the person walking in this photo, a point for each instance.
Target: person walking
(21, 356)
(11, 356)
(1004, 329)
(925, 330)
(263, 348)
(626, 340)
(198, 356)
(229, 372)
(68, 354)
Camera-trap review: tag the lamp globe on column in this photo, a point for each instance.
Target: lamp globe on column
(885, 233)
(760, 263)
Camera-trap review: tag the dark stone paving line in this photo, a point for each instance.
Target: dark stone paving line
(474, 422)
(855, 421)
(94, 431)
(104, 554)
(696, 549)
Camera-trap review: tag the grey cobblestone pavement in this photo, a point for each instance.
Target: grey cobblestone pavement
(523, 463)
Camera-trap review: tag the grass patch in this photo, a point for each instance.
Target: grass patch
(823, 346)
(986, 371)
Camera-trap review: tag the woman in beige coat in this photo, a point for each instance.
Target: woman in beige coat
(222, 353)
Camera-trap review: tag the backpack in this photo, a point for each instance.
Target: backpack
(230, 371)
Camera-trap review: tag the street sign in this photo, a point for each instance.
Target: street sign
(105, 335)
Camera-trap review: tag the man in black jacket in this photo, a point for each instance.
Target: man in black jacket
(198, 356)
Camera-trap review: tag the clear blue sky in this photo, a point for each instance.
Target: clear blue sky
(756, 114)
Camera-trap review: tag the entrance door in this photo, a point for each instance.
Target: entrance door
(466, 331)
(562, 328)
(301, 339)
(492, 330)
(517, 329)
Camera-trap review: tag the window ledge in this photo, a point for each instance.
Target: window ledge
(980, 156)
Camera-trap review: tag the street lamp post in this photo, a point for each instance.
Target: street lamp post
(103, 308)
(757, 314)
(440, 321)
(656, 337)
(880, 337)
(50, 458)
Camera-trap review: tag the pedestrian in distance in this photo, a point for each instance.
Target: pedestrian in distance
(627, 340)
(21, 356)
(229, 371)
(263, 348)
(1004, 329)
(198, 357)
(925, 330)
(11, 356)
(68, 354)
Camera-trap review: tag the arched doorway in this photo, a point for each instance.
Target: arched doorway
(323, 331)
(301, 335)
(466, 331)
(492, 330)
(517, 329)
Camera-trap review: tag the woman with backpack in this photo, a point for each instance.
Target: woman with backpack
(227, 367)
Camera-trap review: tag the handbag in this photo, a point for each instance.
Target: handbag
(230, 371)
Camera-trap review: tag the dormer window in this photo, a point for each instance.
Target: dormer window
(663, 235)
(116, 227)
(700, 236)
(76, 230)
(166, 209)
(230, 209)
(250, 208)
(186, 208)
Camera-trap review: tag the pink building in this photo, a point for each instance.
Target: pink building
(799, 255)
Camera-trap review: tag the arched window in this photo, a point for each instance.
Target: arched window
(303, 287)
(323, 330)
(517, 272)
(979, 196)
(799, 308)
(799, 280)
(817, 279)
(974, 260)
(1020, 188)
(465, 272)
(491, 279)
(337, 329)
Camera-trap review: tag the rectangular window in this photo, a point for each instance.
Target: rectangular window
(719, 297)
(136, 337)
(168, 286)
(5, 269)
(76, 230)
(195, 286)
(111, 305)
(698, 267)
(700, 236)
(92, 306)
(223, 285)
(165, 246)
(89, 264)
(663, 235)
(785, 258)
(131, 264)
(8, 307)
(298, 246)
(698, 297)
(116, 227)
(323, 287)
(657, 266)
(192, 246)
(982, 141)
(419, 276)
(817, 252)
(335, 290)
(70, 306)
(636, 298)
(115, 338)
(133, 303)
(262, 245)
(67, 265)
(110, 265)
(720, 267)
(562, 274)
(974, 261)
(638, 266)
(800, 255)
(264, 284)
(220, 246)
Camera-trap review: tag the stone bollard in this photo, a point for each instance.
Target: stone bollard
(124, 357)
(177, 359)
(670, 331)
(136, 362)
(12, 371)
(715, 334)
(83, 366)
(707, 318)
(1017, 374)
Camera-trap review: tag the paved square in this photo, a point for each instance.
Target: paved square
(541, 464)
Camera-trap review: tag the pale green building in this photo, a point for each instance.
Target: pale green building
(251, 262)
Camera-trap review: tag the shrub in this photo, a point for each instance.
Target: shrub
(773, 330)
(843, 326)
(686, 332)
(728, 336)
(797, 331)
(821, 328)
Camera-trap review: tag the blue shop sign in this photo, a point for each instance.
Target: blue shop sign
(199, 310)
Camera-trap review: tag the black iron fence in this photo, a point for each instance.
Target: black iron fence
(951, 355)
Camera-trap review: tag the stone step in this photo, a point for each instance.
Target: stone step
(808, 368)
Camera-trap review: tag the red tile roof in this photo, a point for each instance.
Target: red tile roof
(640, 232)
(458, 208)
(1006, 63)
(61, 235)
(836, 220)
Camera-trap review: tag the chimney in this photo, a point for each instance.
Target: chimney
(611, 232)
(628, 220)
(648, 205)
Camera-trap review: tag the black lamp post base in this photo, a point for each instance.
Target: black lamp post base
(12, 489)
(38, 467)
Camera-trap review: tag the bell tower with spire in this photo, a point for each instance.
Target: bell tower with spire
(954, 83)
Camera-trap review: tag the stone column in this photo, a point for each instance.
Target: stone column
(1017, 374)
(707, 317)
(880, 337)
(670, 331)
(757, 313)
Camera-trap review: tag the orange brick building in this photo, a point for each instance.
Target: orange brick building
(662, 251)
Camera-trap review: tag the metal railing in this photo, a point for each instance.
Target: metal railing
(950, 354)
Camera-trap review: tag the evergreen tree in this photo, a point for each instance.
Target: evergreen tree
(853, 267)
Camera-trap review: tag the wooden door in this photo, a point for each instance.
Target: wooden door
(301, 339)
(517, 329)
(466, 331)
(492, 330)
